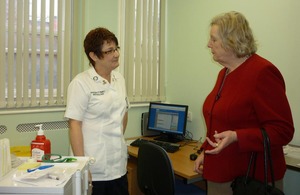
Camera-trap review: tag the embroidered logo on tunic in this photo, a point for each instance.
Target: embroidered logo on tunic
(97, 93)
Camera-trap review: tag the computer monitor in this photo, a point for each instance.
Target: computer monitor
(168, 119)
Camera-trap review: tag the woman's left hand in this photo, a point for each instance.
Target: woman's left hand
(222, 140)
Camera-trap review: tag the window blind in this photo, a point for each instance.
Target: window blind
(35, 52)
(144, 70)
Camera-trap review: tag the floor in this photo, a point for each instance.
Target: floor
(187, 189)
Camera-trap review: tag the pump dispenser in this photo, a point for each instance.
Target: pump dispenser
(40, 145)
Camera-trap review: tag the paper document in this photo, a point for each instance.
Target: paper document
(50, 177)
(128, 142)
(292, 151)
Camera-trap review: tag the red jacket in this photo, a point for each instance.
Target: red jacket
(253, 96)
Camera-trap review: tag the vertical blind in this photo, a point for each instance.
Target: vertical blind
(144, 72)
(35, 56)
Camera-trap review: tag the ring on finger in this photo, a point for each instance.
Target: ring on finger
(217, 144)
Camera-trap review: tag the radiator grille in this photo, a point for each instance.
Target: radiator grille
(3, 129)
(54, 125)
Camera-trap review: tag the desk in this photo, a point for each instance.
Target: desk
(182, 165)
(292, 163)
(292, 175)
(292, 157)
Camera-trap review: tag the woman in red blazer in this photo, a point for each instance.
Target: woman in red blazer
(249, 94)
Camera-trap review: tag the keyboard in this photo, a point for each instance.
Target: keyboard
(169, 147)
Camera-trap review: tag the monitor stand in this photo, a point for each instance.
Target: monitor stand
(169, 138)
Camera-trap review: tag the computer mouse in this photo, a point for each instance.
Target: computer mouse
(193, 156)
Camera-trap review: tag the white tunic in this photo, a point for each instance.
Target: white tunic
(100, 106)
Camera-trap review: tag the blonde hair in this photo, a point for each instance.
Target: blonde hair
(235, 33)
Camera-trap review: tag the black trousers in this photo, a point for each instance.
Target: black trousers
(114, 187)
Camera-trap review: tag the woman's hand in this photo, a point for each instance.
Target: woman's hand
(198, 166)
(222, 140)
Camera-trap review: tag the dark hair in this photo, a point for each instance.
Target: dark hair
(235, 33)
(94, 41)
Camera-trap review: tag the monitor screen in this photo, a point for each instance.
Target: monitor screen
(169, 119)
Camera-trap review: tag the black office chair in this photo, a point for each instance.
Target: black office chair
(154, 171)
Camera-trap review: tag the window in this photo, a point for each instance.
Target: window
(143, 51)
(35, 53)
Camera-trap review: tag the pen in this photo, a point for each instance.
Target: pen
(40, 168)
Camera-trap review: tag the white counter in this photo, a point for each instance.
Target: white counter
(74, 180)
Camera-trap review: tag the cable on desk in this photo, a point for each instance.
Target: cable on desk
(188, 135)
(190, 142)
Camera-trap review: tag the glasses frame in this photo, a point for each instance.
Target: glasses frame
(111, 51)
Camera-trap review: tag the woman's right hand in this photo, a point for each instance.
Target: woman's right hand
(198, 166)
(222, 140)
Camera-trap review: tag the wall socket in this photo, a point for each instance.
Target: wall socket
(190, 116)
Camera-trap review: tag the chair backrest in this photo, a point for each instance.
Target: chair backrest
(154, 170)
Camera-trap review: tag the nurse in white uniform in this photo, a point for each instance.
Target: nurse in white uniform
(97, 111)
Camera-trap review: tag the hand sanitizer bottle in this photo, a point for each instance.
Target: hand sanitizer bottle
(40, 145)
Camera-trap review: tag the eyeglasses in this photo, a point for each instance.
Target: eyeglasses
(56, 158)
(111, 51)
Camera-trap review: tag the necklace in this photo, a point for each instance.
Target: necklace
(222, 84)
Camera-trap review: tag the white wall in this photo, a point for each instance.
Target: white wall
(191, 73)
